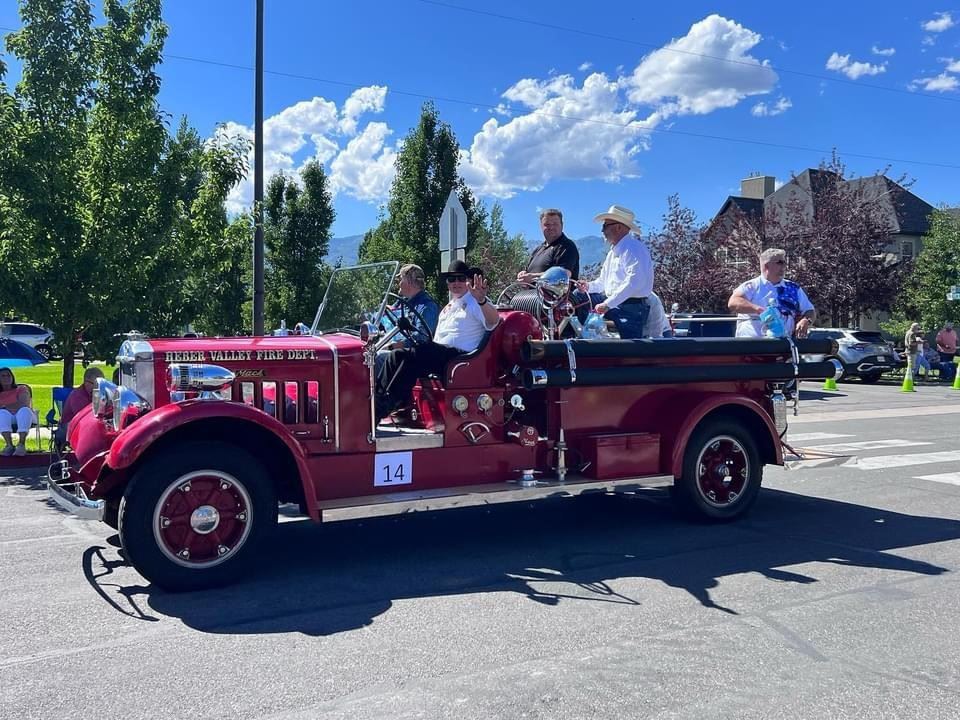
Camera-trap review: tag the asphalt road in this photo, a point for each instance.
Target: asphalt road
(838, 597)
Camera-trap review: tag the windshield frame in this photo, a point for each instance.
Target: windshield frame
(314, 328)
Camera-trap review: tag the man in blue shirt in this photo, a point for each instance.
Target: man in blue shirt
(416, 297)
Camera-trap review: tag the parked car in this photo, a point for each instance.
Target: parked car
(864, 353)
(704, 325)
(30, 334)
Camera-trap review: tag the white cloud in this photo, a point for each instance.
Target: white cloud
(762, 109)
(854, 69)
(584, 66)
(940, 83)
(928, 41)
(952, 65)
(885, 52)
(707, 69)
(574, 132)
(311, 129)
(365, 168)
(596, 130)
(942, 21)
(365, 99)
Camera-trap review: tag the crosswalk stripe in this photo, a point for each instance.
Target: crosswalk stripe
(951, 478)
(810, 437)
(881, 462)
(853, 447)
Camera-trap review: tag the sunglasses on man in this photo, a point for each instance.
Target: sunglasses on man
(456, 278)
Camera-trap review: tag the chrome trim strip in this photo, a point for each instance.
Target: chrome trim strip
(455, 368)
(336, 391)
(571, 360)
(409, 442)
(472, 495)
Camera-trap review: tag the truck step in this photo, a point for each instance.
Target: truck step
(398, 503)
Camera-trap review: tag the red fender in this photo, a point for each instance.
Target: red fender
(134, 440)
(701, 410)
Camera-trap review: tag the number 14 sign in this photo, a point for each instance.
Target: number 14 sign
(392, 469)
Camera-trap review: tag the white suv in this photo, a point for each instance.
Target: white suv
(30, 334)
(864, 353)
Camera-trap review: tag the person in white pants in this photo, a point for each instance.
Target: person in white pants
(14, 407)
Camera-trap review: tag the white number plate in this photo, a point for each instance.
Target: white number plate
(392, 469)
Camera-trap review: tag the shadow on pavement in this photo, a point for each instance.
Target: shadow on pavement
(321, 580)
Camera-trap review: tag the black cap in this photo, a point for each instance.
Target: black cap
(459, 267)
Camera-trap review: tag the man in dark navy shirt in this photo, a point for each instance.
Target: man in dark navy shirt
(557, 249)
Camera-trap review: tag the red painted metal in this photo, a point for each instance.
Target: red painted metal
(622, 455)
(722, 468)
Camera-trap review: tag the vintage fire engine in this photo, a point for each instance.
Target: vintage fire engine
(190, 455)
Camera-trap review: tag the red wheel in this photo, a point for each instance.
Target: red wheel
(721, 471)
(202, 518)
(193, 516)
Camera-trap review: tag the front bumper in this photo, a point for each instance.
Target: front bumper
(70, 495)
(873, 363)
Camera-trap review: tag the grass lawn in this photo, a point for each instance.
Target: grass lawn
(42, 379)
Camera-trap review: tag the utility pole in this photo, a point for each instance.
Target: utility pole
(258, 183)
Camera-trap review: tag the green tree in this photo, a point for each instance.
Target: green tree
(498, 253)
(935, 270)
(297, 236)
(426, 173)
(104, 213)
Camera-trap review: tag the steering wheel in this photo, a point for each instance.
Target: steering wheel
(416, 332)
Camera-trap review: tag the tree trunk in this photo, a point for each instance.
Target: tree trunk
(68, 361)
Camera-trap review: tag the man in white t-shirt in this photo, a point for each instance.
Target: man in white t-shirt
(657, 323)
(463, 322)
(752, 297)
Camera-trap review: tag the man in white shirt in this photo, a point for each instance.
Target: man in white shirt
(626, 277)
(752, 297)
(463, 322)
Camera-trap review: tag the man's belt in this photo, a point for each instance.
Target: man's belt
(635, 301)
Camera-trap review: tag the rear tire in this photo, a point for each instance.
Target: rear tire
(721, 472)
(195, 516)
(45, 351)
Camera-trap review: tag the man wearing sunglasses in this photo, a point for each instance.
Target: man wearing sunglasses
(752, 297)
(462, 324)
(626, 276)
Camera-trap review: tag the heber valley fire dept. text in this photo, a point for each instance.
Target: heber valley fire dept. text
(228, 355)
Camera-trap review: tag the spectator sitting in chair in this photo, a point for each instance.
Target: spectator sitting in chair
(14, 406)
(80, 398)
(461, 327)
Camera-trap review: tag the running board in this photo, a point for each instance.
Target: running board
(398, 503)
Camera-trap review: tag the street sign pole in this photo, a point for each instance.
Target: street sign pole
(453, 232)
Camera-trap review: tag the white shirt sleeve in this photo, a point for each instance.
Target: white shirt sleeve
(634, 278)
(803, 301)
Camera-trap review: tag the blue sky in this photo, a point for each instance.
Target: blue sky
(578, 105)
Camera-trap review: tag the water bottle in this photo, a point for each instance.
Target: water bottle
(772, 320)
(594, 327)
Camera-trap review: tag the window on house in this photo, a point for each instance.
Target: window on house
(906, 249)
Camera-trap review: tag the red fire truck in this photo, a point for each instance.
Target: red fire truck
(190, 455)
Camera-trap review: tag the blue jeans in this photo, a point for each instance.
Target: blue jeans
(630, 319)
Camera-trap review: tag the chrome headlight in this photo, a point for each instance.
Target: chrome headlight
(127, 407)
(104, 398)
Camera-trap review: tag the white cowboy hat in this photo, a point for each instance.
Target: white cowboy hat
(619, 214)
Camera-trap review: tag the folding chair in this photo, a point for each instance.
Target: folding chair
(59, 395)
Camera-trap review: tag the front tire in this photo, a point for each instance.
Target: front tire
(45, 351)
(194, 516)
(871, 377)
(721, 472)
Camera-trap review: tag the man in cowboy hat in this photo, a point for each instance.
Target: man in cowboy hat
(557, 249)
(462, 324)
(626, 277)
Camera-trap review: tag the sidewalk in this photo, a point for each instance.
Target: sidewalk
(859, 401)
